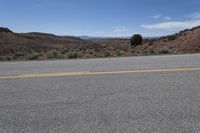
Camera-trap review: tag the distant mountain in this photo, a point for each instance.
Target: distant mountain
(36, 38)
(103, 38)
(93, 38)
(15, 44)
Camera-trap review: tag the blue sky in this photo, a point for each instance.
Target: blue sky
(100, 17)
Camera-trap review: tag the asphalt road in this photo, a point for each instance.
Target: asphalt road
(132, 102)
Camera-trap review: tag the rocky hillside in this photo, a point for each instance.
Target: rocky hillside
(187, 41)
(12, 43)
(31, 46)
(35, 45)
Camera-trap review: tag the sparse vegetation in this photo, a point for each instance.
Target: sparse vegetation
(34, 46)
(152, 51)
(164, 51)
(2, 58)
(169, 38)
(33, 56)
(72, 55)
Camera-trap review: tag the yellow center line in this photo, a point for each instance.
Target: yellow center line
(61, 74)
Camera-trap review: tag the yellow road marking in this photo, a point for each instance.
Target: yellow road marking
(60, 74)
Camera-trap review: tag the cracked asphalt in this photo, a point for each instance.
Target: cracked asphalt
(153, 102)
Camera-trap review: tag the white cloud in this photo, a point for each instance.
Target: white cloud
(160, 16)
(98, 33)
(168, 18)
(156, 16)
(118, 29)
(172, 25)
(195, 15)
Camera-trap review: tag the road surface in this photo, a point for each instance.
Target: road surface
(154, 94)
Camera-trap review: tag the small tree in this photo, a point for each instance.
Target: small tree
(135, 40)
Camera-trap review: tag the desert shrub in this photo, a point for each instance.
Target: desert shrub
(171, 37)
(145, 52)
(33, 56)
(91, 52)
(2, 59)
(152, 51)
(8, 58)
(55, 54)
(168, 38)
(19, 54)
(93, 46)
(14, 58)
(163, 51)
(64, 51)
(72, 55)
(183, 32)
(197, 27)
(136, 40)
(150, 43)
(119, 52)
(106, 54)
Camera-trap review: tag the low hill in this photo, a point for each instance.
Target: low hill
(34, 45)
(187, 41)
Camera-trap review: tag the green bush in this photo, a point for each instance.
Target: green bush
(64, 51)
(152, 51)
(136, 40)
(106, 54)
(72, 55)
(171, 37)
(33, 56)
(19, 54)
(2, 59)
(6, 58)
(55, 54)
(164, 51)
